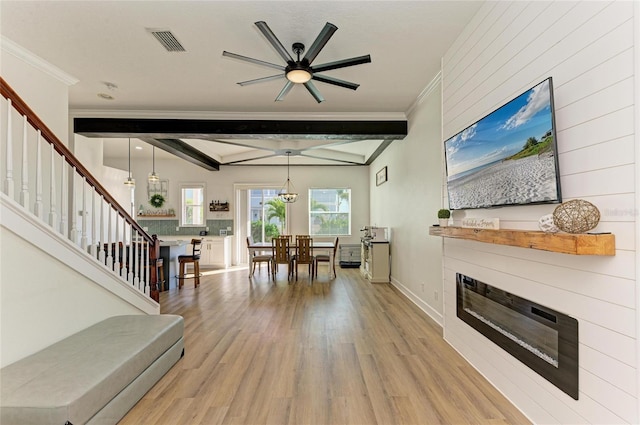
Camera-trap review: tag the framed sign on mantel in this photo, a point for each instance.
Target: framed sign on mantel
(381, 176)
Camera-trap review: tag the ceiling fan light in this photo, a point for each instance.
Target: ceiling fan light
(298, 76)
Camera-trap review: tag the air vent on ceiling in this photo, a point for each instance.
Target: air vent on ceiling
(167, 39)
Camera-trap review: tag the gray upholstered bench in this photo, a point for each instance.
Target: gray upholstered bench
(94, 376)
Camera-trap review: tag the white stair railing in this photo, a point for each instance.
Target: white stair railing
(61, 185)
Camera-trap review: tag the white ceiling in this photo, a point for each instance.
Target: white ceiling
(107, 41)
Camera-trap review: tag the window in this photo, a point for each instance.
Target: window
(192, 205)
(267, 214)
(329, 212)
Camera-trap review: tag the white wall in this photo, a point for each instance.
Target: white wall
(587, 47)
(42, 86)
(407, 203)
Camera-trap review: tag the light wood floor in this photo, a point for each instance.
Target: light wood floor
(340, 351)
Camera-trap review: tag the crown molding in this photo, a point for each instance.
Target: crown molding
(433, 84)
(212, 115)
(32, 59)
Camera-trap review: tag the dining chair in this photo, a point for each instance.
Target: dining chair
(193, 258)
(327, 258)
(304, 254)
(281, 255)
(293, 256)
(259, 258)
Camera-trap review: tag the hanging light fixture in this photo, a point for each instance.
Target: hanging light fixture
(286, 194)
(153, 177)
(129, 181)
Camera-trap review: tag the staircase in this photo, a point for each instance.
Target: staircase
(70, 255)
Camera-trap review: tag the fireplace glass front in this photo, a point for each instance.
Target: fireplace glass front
(543, 339)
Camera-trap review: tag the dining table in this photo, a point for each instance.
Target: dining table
(267, 246)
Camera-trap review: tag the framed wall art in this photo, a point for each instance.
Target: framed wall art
(381, 176)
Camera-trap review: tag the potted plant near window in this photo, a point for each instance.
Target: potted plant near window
(443, 217)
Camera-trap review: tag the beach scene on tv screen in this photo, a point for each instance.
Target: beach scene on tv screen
(506, 158)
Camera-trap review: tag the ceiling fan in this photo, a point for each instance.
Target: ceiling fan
(300, 71)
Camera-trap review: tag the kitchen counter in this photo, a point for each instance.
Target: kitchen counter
(215, 250)
(177, 242)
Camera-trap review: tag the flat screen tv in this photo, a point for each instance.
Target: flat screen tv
(509, 157)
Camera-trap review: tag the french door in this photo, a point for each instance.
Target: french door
(267, 214)
(259, 214)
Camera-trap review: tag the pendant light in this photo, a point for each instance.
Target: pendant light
(129, 181)
(153, 177)
(286, 194)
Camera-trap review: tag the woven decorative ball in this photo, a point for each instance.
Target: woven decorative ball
(547, 225)
(576, 216)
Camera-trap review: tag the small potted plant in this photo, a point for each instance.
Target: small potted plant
(443, 217)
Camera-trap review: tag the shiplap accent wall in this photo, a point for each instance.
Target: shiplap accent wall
(587, 47)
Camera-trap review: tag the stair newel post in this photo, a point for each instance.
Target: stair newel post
(24, 192)
(8, 182)
(38, 207)
(154, 254)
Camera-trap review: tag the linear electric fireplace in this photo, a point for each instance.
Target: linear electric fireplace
(543, 339)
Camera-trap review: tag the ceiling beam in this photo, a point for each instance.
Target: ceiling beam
(183, 150)
(378, 151)
(243, 129)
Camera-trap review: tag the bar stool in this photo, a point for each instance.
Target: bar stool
(194, 258)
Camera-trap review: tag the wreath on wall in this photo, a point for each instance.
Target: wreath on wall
(157, 200)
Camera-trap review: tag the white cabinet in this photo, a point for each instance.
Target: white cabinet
(216, 252)
(374, 264)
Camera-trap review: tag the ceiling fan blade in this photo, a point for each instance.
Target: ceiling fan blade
(320, 41)
(252, 60)
(261, 80)
(287, 87)
(266, 31)
(342, 63)
(314, 91)
(335, 81)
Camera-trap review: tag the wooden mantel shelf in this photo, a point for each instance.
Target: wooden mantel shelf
(567, 243)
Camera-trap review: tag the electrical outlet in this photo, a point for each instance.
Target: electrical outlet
(177, 229)
(422, 289)
(435, 295)
(228, 228)
(206, 228)
(146, 229)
